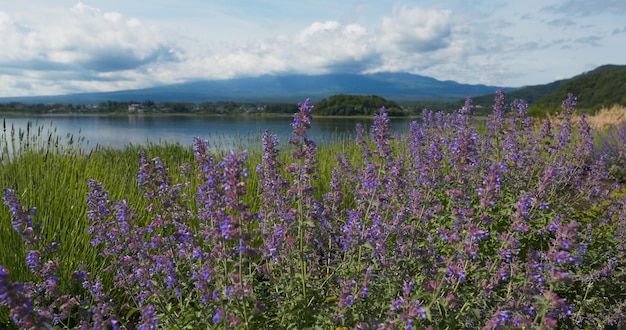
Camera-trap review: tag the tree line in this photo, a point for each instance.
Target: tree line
(148, 106)
(336, 105)
(357, 105)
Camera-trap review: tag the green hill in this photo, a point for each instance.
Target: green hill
(529, 93)
(356, 105)
(601, 87)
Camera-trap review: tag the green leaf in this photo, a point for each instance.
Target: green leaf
(428, 315)
(131, 312)
(476, 313)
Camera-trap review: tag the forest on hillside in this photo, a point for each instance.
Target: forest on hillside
(337, 105)
(595, 90)
(357, 105)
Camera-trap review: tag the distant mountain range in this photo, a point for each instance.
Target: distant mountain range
(601, 87)
(286, 88)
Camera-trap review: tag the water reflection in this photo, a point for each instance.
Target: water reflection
(226, 131)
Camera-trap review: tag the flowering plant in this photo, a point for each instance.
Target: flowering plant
(446, 226)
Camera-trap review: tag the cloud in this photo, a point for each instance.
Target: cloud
(83, 48)
(330, 46)
(114, 59)
(105, 41)
(589, 40)
(562, 22)
(436, 43)
(591, 7)
(321, 47)
(96, 50)
(83, 41)
(618, 31)
(417, 29)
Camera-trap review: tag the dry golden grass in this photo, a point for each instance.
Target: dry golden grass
(602, 119)
(608, 116)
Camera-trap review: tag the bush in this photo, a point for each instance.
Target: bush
(613, 146)
(443, 227)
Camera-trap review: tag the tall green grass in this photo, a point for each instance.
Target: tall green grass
(51, 173)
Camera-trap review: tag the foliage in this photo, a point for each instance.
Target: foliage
(356, 105)
(603, 87)
(612, 145)
(446, 226)
(148, 106)
(482, 104)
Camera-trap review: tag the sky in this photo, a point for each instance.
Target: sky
(64, 46)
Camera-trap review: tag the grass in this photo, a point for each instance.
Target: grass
(603, 118)
(608, 116)
(52, 174)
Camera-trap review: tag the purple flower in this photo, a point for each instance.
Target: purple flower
(569, 104)
(22, 218)
(496, 119)
(499, 320)
(346, 302)
(217, 317)
(467, 108)
(381, 134)
(33, 260)
(149, 319)
(302, 119)
(20, 305)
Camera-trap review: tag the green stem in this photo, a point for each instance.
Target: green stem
(301, 248)
(241, 260)
(367, 212)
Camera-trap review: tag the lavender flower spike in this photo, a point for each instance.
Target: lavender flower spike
(19, 303)
(302, 119)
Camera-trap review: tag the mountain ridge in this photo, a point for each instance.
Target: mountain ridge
(283, 88)
(603, 86)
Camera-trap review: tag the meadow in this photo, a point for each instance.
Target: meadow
(513, 223)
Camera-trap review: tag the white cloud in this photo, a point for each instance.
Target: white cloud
(424, 41)
(321, 47)
(326, 45)
(83, 42)
(590, 7)
(106, 51)
(417, 29)
(48, 49)
(410, 34)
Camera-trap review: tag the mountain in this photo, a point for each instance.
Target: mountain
(528, 93)
(285, 88)
(601, 87)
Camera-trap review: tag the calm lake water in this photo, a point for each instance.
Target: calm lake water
(225, 132)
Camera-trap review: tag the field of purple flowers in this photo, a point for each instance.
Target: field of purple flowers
(514, 224)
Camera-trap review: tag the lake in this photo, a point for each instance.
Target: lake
(232, 132)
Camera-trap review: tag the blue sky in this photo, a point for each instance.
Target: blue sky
(64, 46)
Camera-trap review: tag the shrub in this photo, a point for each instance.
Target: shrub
(612, 145)
(443, 227)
